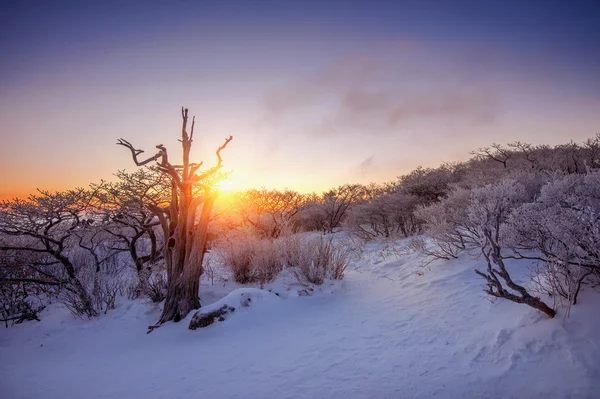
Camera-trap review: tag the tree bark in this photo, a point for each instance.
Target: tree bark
(184, 238)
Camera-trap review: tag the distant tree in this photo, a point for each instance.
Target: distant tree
(184, 230)
(387, 215)
(495, 152)
(430, 185)
(336, 202)
(528, 152)
(272, 212)
(312, 216)
(592, 149)
(570, 157)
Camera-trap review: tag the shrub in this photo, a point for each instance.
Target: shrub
(254, 260)
(157, 285)
(236, 253)
(315, 257)
(17, 304)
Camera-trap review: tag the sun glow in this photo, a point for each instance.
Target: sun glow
(225, 186)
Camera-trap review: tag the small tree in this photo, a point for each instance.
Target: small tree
(562, 229)
(272, 212)
(48, 224)
(488, 212)
(128, 219)
(184, 230)
(495, 152)
(336, 202)
(446, 223)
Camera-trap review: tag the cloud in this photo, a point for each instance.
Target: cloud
(396, 85)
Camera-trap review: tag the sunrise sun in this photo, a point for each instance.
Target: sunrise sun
(225, 186)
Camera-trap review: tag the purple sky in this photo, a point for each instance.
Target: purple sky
(315, 93)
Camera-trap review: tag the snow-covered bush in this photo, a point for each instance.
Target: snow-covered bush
(17, 304)
(266, 260)
(479, 220)
(444, 222)
(47, 224)
(488, 213)
(103, 282)
(335, 203)
(252, 259)
(562, 228)
(23, 292)
(316, 257)
(236, 253)
(157, 283)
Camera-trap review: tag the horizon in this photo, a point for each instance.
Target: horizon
(351, 92)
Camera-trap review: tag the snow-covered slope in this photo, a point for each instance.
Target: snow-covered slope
(394, 329)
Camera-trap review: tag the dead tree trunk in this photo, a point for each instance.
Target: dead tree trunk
(184, 231)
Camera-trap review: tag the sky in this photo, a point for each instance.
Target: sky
(315, 93)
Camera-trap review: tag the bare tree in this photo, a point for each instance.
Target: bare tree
(184, 230)
(592, 147)
(528, 151)
(336, 203)
(387, 215)
(561, 229)
(488, 212)
(20, 297)
(495, 152)
(47, 224)
(128, 219)
(430, 185)
(272, 212)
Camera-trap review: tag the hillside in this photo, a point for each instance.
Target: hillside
(392, 329)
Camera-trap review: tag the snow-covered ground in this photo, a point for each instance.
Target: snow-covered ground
(392, 329)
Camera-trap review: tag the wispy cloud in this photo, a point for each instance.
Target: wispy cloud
(396, 86)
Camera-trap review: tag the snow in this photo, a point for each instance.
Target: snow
(392, 329)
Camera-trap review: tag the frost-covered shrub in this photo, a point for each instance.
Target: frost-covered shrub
(236, 253)
(266, 260)
(157, 284)
(272, 213)
(102, 283)
(316, 257)
(444, 222)
(23, 293)
(488, 223)
(562, 228)
(18, 304)
(252, 260)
